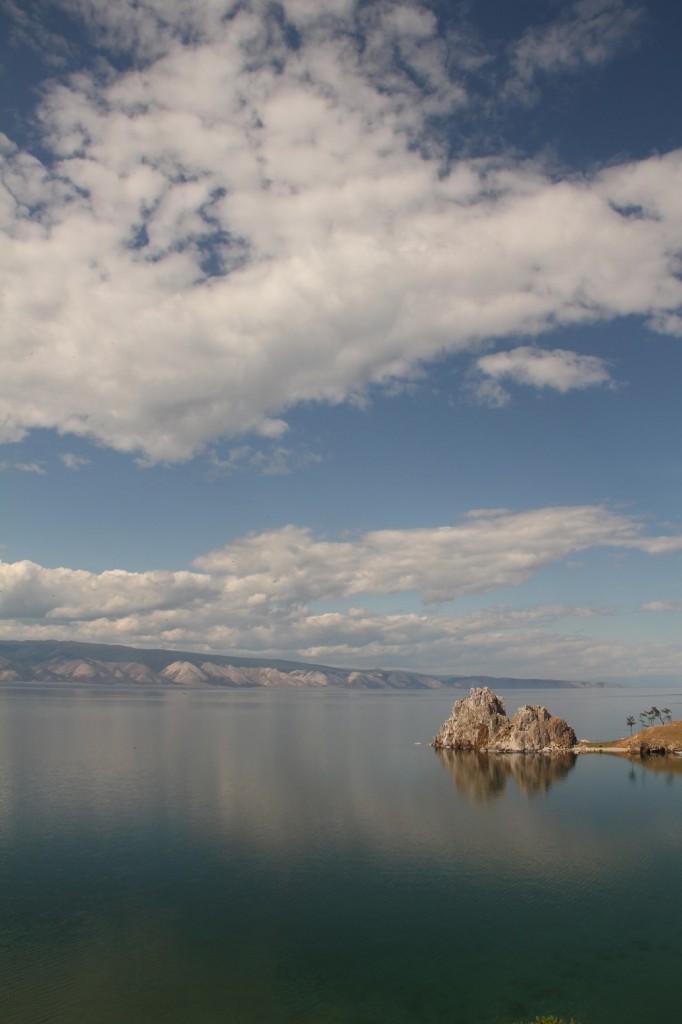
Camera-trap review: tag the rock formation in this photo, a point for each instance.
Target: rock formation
(533, 729)
(479, 722)
(474, 723)
(184, 673)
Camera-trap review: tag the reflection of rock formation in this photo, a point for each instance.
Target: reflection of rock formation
(479, 722)
(483, 776)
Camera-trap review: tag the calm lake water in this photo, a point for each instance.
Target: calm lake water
(305, 857)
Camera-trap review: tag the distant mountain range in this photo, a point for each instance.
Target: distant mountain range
(70, 662)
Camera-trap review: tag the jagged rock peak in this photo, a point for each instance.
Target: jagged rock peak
(479, 722)
(474, 722)
(533, 729)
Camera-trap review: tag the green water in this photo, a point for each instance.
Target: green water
(264, 857)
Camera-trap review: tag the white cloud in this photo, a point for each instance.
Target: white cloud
(261, 594)
(540, 368)
(32, 592)
(587, 33)
(74, 462)
(273, 461)
(662, 606)
(491, 549)
(667, 324)
(23, 467)
(239, 225)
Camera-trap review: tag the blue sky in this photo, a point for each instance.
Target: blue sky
(346, 332)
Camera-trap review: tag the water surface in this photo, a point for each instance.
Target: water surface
(265, 857)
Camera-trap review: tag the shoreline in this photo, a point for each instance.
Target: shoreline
(628, 752)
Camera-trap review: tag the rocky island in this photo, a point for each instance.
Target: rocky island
(479, 722)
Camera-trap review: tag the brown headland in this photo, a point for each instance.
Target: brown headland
(655, 739)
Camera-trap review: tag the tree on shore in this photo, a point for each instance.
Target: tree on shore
(630, 720)
(654, 714)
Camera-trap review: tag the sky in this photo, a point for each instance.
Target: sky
(346, 332)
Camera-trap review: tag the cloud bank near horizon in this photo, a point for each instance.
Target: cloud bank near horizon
(184, 264)
(269, 593)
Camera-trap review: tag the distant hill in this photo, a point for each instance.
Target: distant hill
(64, 661)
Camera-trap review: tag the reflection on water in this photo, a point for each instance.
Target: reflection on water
(670, 766)
(483, 777)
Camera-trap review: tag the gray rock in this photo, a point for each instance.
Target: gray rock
(479, 722)
(474, 723)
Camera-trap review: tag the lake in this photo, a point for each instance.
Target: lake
(271, 857)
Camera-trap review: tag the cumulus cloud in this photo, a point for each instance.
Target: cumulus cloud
(283, 592)
(32, 591)
(540, 368)
(255, 213)
(491, 549)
